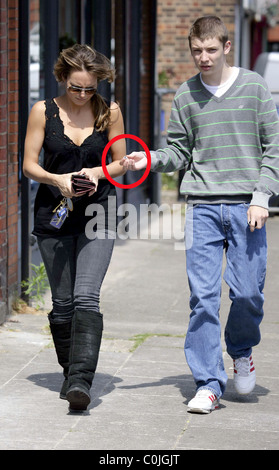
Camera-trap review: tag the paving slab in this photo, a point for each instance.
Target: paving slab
(142, 385)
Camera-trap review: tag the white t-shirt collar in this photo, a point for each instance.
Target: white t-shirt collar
(219, 90)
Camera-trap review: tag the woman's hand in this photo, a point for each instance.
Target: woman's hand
(134, 161)
(64, 184)
(93, 174)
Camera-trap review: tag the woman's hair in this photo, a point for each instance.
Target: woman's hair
(82, 57)
(208, 27)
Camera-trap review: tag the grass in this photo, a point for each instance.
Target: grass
(139, 339)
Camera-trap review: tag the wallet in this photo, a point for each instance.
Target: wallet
(81, 184)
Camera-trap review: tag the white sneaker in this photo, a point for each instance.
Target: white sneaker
(244, 375)
(204, 402)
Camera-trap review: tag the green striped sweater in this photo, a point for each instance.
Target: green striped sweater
(229, 145)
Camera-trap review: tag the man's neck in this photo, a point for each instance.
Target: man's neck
(219, 78)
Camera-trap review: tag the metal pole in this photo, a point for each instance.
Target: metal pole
(50, 40)
(132, 86)
(24, 106)
(102, 36)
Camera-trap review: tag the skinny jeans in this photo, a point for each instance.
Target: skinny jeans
(209, 229)
(76, 267)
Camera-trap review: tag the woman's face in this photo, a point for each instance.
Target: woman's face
(81, 86)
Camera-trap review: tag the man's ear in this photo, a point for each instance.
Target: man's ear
(227, 47)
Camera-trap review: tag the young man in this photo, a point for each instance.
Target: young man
(224, 130)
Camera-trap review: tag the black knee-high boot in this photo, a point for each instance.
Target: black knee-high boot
(87, 328)
(61, 334)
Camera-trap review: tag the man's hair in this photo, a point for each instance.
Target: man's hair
(208, 27)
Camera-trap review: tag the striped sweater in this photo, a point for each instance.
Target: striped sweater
(228, 145)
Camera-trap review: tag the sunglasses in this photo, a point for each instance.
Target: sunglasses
(78, 89)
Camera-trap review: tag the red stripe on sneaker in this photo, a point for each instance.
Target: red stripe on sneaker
(212, 398)
(252, 368)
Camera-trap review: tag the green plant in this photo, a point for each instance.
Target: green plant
(169, 181)
(139, 339)
(163, 80)
(36, 285)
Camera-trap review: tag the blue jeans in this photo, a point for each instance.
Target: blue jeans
(76, 267)
(208, 230)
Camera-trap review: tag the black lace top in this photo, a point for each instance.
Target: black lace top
(62, 155)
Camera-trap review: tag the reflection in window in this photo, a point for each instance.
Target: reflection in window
(34, 51)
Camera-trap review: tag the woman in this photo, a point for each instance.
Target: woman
(73, 130)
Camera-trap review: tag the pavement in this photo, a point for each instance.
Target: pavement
(142, 385)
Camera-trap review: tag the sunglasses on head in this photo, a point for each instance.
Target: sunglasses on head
(78, 89)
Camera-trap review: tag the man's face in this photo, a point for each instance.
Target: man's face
(209, 56)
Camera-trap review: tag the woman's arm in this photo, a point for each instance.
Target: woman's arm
(118, 149)
(33, 143)
(34, 139)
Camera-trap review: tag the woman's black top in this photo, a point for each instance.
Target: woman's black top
(62, 155)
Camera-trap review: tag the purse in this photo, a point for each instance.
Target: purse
(82, 185)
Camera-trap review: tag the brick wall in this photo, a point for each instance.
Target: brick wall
(8, 152)
(174, 19)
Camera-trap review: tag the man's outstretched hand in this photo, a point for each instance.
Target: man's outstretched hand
(135, 161)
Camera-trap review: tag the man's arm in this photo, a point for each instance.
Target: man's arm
(268, 124)
(175, 156)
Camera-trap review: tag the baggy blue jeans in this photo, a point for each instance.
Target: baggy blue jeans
(208, 230)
